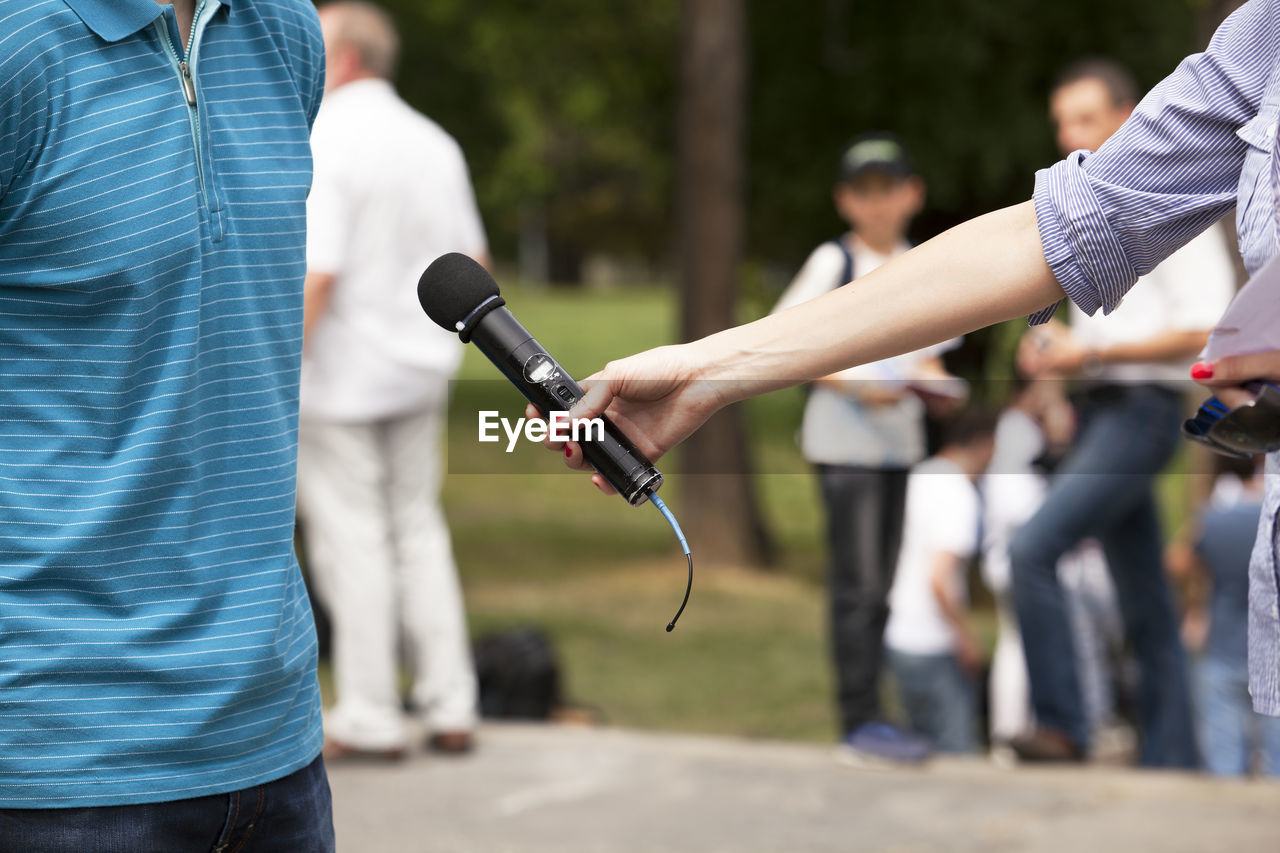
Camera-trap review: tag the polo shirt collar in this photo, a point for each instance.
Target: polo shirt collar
(114, 19)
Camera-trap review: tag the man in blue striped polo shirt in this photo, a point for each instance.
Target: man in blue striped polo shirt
(157, 653)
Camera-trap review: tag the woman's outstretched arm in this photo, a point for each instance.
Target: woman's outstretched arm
(985, 271)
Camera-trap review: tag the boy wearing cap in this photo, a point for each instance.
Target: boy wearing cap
(863, 430)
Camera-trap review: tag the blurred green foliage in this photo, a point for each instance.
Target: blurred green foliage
(964, 82)
(566, 109)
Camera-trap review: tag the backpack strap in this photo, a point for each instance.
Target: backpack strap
(846, 274)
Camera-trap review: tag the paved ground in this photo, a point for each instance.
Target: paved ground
(531, 789)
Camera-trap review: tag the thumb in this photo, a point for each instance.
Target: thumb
(598, 393)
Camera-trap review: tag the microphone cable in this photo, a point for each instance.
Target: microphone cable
(684, 545)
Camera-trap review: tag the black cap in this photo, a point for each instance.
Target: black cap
(456, 292)
(875, 153)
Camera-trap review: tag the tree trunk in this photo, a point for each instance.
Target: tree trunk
(719, 498)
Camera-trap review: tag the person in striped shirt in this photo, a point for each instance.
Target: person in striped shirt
(157, 652)
(1202, 141)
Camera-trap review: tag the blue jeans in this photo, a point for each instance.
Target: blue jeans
(1230, 731)
(291, 814)
(1105, 489)
(938, 697)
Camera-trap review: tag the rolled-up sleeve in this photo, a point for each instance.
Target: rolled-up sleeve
(1170, 172)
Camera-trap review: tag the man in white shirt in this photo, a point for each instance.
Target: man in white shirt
(931, 648)
(391, 193)
(1129, 365)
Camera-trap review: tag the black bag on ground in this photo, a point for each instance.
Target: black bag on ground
(518, 674)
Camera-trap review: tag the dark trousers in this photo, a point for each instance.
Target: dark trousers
(865, 509)
(292, 814)
(1104, 489)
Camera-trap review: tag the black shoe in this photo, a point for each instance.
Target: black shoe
(452, 743)
(1047, 746)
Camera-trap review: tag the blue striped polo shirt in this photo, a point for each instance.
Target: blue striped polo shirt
(155, 638)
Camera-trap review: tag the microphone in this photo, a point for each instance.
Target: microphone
(460, 296)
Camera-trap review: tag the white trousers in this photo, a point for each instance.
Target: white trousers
(379, 554)
(1008, 691)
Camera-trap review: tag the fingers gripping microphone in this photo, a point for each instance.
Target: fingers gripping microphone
(460, 295)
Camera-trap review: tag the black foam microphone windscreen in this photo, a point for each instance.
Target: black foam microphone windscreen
(452, 287)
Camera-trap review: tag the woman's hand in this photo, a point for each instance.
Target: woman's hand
(656, 398)
(1234, 370)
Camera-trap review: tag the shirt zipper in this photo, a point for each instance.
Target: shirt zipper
(188, 82)
(188, 86)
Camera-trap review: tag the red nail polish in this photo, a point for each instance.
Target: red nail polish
(1202, 370)
(568, 452)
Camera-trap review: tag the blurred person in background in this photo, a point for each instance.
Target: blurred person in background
(1128, 368)
(933, 652)
(1033, 430)
(1033, 434)
(863, 429)
(391, 193)
(1233, 738)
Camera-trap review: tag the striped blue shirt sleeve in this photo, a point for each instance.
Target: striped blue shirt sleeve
(296, 29)
(24, 108)
(1170, 172)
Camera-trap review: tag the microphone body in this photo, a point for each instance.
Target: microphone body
(543, 382)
